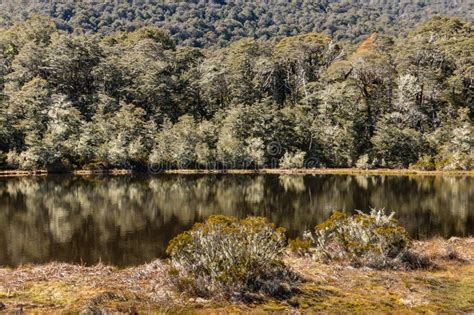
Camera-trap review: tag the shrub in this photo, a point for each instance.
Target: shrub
(227, 257)
(292, 160)
(300, 246)
(3, 160)
(397, 146)
(373, 240)
(363, 162)
(455, 161)
(425, 163)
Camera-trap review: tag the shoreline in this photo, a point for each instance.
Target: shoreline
(327, 288)
(327, 171)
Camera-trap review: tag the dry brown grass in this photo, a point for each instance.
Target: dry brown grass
(328, 171)
(441, 251)
(18, 173)
(59, 286)
(328, 288)
(338, 289)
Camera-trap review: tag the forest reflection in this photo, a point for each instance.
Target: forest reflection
(129, 220)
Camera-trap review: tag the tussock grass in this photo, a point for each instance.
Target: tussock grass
(327, 287)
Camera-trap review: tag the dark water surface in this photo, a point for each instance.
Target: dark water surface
(128, 220)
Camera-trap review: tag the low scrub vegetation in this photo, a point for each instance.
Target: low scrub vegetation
(374, 240)
(242, 259)
(230, 258)
(300, 246)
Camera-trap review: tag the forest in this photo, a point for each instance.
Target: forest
(142, 99)
(204, 23)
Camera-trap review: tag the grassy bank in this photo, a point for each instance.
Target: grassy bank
(328, 288)
(338, 171)
(16, 173)
(329, 171)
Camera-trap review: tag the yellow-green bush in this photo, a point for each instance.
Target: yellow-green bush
(425, 163)
(374, 240)
(226, 257)
(300, 246)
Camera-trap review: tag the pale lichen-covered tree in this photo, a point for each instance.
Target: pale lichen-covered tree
(136, 97)
(301, 59)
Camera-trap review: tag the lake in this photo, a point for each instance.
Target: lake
(127, 220)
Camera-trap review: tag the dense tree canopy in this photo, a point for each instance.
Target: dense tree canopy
(201, 23)
(133, 99)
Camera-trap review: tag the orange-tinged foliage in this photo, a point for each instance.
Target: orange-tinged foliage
(368, 44)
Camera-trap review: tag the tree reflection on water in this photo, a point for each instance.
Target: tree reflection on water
(130, 219)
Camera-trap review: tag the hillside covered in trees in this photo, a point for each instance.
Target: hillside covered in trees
(201, 23)
(133, 99)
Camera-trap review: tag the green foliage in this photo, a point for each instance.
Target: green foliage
(425, 163)
(205, 23)
(293, 160)
(373, 239)
(252, 136)
(395, 145)
(228, 257)
(455, 152)
(155, 34)
(303, 100)
(183, 145)
(301, 59)
(455, 161)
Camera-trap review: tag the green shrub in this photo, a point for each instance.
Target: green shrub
(227, 257)
(3, 159)
(373, 240)
(455, 161)
(96, 166)
(425, 163)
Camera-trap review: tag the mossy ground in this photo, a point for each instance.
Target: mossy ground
(328, 288)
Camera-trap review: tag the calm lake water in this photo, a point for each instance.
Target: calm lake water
(128, 220)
